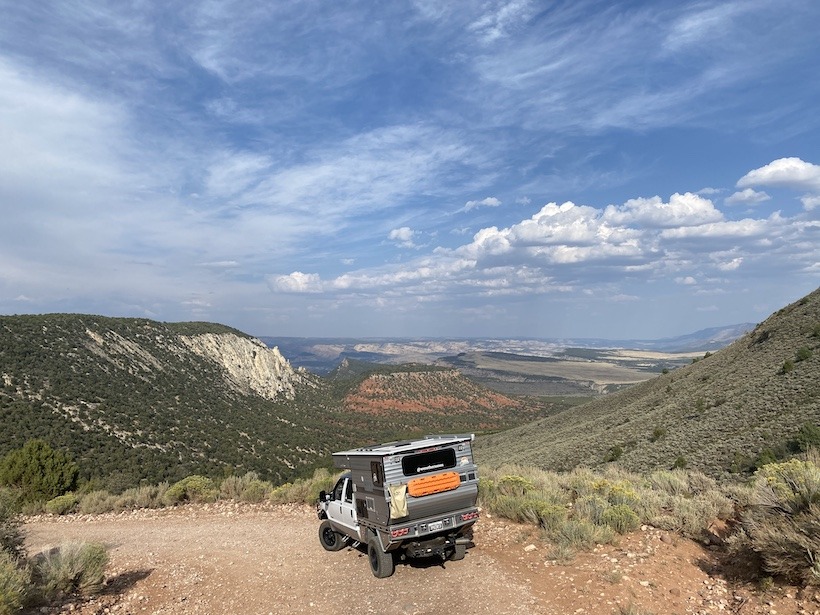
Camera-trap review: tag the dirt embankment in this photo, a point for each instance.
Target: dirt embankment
(230, 558)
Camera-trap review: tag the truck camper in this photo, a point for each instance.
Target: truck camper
(408, 499)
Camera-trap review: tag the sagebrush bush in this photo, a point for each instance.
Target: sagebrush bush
(14, 584)
(783, 522)
(304, 491)
(514, 486)
(97, 502)
(247, 488)
(69, 569)
(591, 508)
(193, 488)
(581, 534)
(62, 504)
(146, 496)
(620, 518)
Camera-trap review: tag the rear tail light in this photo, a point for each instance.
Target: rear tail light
(400, 532)
(470, 516)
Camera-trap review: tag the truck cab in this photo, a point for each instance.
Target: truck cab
(407, 499)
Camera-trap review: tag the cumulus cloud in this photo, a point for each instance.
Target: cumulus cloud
(788, 172)
(403, 236)
(792, 173)
(296, 282)
(747, 197)
(490, 201)
(687, 209)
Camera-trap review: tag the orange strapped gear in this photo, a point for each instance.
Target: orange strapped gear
(437, 483)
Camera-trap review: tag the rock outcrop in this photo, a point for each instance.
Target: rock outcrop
(250, 366)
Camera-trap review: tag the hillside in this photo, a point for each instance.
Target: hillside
(134, 399)
(717, 414)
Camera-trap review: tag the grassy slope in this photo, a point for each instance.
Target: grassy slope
(729, 405)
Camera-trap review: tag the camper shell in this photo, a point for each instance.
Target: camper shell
(413, 498)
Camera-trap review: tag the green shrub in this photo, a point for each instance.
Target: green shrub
(11, 534)
(69, 569)
(657, 434)
(808, 436)
(803, 353)
(620, 518)
(62, 504)
(193, 488)
(788, 365)
(257, 491)
(614, 453)
(38, 471)
(304, 491)
(680, 463)
(13, 584)
(783, 523)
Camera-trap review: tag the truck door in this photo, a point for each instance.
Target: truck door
(341, 509)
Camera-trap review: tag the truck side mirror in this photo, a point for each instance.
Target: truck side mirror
(323, 496)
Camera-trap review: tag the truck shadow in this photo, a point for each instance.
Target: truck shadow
(411, 562)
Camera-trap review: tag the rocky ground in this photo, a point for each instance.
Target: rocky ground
(263, 559)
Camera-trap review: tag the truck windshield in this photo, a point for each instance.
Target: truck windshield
(429, 461)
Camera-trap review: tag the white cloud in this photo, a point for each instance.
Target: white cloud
(788, 172)
(490, 201)
(810, 201)
(501, 17)
(686, 281)
(747, 197)
(296, 282)
(682, 210)
(403, 236)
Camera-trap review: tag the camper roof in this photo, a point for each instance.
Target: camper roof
(405, 446)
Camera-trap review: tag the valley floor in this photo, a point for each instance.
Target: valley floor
(264, 559)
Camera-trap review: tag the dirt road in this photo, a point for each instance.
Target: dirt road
(229, 558)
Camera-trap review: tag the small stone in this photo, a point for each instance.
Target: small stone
(530, 548)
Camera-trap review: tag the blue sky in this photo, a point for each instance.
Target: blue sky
(427, 168)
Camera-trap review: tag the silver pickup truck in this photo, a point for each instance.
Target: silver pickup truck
(403, 500)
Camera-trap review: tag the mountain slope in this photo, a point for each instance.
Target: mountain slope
(138, 399)
(153, 400)
(715, 415)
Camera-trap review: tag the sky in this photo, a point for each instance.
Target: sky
(499, 168)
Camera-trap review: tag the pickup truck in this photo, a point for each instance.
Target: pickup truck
(410, 499)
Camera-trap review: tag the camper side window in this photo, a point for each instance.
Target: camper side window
(349, 491)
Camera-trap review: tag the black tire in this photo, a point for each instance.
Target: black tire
(458, 553)
(331, 539)
(381, 563)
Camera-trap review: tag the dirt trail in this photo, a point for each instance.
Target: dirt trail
(244, 559)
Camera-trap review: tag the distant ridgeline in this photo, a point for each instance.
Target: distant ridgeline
(136, 400)
(754, 401)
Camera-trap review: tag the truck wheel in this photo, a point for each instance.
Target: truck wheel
(331, 539)
(459, 553)
(381, 563)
